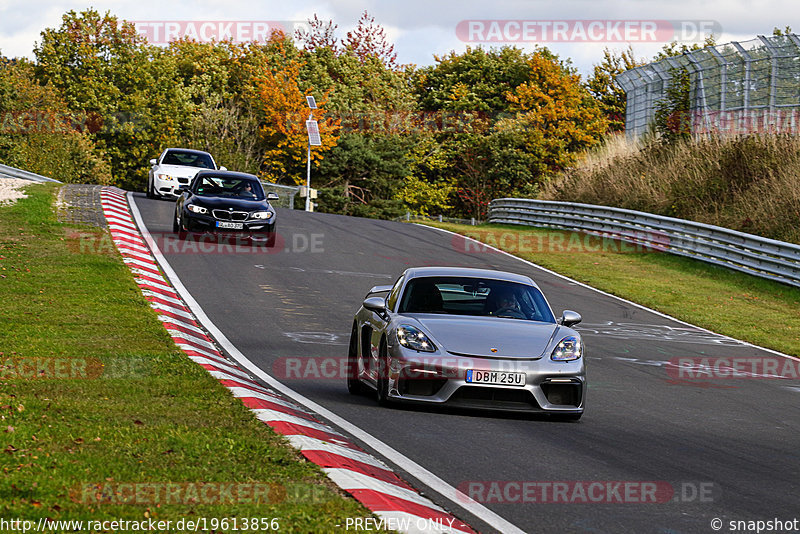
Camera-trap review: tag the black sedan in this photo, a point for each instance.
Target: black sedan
(229, 203)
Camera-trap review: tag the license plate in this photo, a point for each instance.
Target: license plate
(230, 225)
(495, 378)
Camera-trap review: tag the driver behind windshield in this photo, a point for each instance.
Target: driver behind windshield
(246, 191)
(504, 303)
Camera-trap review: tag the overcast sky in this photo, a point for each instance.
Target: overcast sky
(421, 28)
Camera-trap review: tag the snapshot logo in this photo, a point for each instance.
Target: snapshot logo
(592, 31)
(197, 243)
(586, 492)
(207, 31)
(735, 368)
(485, 241)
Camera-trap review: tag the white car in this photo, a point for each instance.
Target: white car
(174, 169)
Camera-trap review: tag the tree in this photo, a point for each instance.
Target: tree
(604, 89)
(369, 40)
(673, 121)
(476, 80)
(40, 134)
(284, 111)
(103, 68)
(366, 171)
(556, 117)
(320, 34)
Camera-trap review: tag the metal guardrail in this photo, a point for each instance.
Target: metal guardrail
(285, 192)
(759, 256)
(13, 172)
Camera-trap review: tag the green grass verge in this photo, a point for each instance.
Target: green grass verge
(736, 304)
(119, 404)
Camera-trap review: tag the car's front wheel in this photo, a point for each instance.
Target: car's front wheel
(354, 385)
(177, 226)
(149, 188)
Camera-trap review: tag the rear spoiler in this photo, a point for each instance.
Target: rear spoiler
(379, 289)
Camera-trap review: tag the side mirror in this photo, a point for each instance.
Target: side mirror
(185, 189)
(223, 168)
(273, 196)
(376, 304)
(153, 162)
(569, 318)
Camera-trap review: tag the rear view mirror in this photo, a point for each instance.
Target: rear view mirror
(376, 304)
(223, 168)
(272, 196)
(153, 162)
(569, 318)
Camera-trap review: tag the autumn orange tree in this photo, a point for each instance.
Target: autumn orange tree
(556, 117)
(282, 100)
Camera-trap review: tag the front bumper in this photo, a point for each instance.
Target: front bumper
(170, 187)
(551, 387)
(257, 229)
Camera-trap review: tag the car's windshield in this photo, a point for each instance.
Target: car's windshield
(228, 187)
(188, 159)
(475, 296)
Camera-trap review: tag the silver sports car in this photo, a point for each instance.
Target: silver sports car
(467, 337)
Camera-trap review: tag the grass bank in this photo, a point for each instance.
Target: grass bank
(728, 302)
(103, 418)
(749, 183)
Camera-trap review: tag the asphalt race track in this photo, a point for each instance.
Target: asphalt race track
(724, 449)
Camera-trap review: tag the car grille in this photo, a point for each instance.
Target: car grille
(223, 215)
(495, 397)
(183, 180)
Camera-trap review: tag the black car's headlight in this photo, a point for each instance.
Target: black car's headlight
(567, 349)
(197, 209)
(413, 338)
(261, 215)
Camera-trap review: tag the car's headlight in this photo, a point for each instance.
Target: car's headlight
(197, 209)
(568, 349)
(414, 338)
(165, 177)
(261, 215)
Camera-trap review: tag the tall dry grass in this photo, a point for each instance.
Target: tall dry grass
(748, 183)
